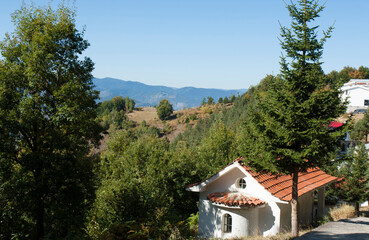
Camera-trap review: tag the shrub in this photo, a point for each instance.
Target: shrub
(193, 117)
(164, 109)
(342, 212)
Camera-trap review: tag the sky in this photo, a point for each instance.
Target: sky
(226, 44)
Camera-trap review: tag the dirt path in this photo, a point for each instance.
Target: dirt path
(352, 228)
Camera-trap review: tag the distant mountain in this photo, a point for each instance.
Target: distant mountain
(146, 95)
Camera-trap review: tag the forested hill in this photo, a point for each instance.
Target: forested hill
(146, 95)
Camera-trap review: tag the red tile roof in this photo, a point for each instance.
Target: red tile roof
(280, 186)
(234, 199)
(334, 125)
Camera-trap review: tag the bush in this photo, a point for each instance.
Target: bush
(164, 109)
(342, 212)
(193, 117)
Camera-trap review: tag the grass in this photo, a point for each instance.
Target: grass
(342, 212)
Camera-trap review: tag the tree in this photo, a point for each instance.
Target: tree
(217, 148)
(287, 129)
(226, 100)
(220, 100)
(233, 98)
(164, 109)
(141, 192)
(348, 73)
(360, 130)
(210, 100)
(48, 126)
(203, 102)
(354, 187)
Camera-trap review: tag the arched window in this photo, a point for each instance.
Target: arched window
(241, 183)
(227, 223)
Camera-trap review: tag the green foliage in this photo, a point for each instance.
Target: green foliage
(226, 100)
(360, 130)
(113, 113)
(287, 129)
(193, 220)
(289, 122)
(233, 98)
(193, 117)
(323, 220)
(346, 74)
(48, 125)
(164, 109)
(117, 103)
(210, 100)
(216, 149)
(220, 100)
(354, 169)
(203, 102)
(142, 181)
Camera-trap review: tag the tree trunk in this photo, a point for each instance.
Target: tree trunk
(40, 206)
(40, 219)
(294, 204)
(357, 209)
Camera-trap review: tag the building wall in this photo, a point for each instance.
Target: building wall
(306, 206)
(250, 221)
(356, 97)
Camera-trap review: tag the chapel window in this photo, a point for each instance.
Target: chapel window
(241, 183)
(227, 223)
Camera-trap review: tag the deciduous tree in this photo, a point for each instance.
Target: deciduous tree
(47, 122)
(164, 109)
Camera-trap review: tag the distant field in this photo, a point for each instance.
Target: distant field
(177, 123)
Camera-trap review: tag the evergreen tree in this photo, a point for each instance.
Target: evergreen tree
(210, 100)
(354, 187)
(287, 129)
(48, 126)
(226, 100)
(360, 130)
(203, 102)
(233, 98)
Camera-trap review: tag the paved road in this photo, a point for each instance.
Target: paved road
(352, 228)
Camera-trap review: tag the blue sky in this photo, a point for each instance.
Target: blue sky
(228, 44)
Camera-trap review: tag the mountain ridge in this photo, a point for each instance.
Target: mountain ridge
(150, 95)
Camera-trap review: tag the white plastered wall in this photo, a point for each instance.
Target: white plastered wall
(356, 96)
(306, 204)
(251, 221)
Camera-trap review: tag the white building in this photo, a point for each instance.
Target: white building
(357, 93)
(238, 201)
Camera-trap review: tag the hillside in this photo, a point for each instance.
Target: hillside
(177, 123)
(147, 95)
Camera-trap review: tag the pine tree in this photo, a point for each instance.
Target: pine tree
(288, 127)
(354, 187)
(203, 102)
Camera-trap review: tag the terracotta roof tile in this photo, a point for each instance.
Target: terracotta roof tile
(234, 199)
(334, 125)
(281, 185)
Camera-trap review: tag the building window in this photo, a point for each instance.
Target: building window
(241, 183)
(366, 102)
(227, 223)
